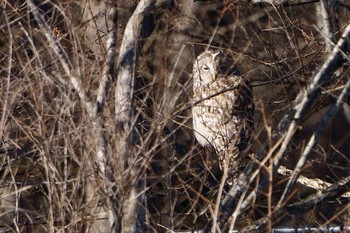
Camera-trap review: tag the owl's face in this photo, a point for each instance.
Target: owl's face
(205, 68)
(211, 65)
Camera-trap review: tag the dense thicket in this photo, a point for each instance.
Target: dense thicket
(95, 124)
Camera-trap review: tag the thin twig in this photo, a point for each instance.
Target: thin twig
(306, 98)
(281, 2)
(125, 157)
(8, 83)
(333, 191)
(313, 140)
(62, 57)
(285, 3)
(218, 198)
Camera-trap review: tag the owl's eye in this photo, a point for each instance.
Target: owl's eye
(206, 68)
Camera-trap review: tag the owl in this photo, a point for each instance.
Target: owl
(223, 108)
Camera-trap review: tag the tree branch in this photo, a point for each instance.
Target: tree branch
(333, 191)
(283, 137)
(306, 98)
(104, 84)
(285, 3)
(127, 174)
(315, 183)
(325, 22)
(62, 57)
(281, 2)
(313, 140)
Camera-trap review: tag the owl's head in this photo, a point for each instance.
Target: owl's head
(211, 64)
(205, 68)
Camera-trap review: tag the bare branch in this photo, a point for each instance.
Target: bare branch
(110, 57)
(124, 120)
(313, 140)
(127, 66)
(335, 190)
(282, 2)
(85, 158)
(62, 57)
(325, 22)
(105, 81)
(316, 183)
(305, 98)
(285, 3)
(6, 94)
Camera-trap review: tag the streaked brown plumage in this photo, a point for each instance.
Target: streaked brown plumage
(223, 108)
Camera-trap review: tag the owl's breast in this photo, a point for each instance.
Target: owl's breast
(213, 121)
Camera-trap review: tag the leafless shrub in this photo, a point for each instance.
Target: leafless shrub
(96, 131)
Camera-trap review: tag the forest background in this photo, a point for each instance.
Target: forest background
(95, 115)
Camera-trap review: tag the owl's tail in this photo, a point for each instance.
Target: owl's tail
(234, 161)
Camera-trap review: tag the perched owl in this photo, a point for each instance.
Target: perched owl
(223, 108)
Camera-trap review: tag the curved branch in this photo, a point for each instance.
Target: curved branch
(333, 191)
(283, 137)
(306, 98)
(62, 57)
(313, 140)
(127, 177)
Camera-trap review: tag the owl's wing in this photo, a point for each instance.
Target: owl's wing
(242, 110)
